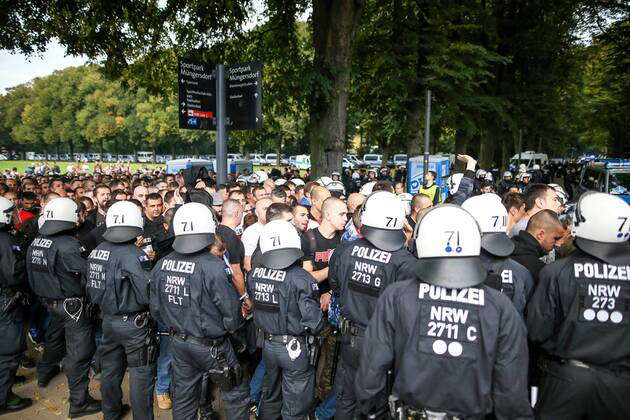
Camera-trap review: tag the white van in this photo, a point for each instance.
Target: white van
(303, 162)
(400, 160)
(93, 157)
(529, 159)
(145, 157)
(372, 160)
(271, 158)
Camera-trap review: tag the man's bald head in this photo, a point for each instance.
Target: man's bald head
(546, 228)
(421, 201)
(231, 208)
(318, 195)
(354, 201)
(261, 209)
(334, 211)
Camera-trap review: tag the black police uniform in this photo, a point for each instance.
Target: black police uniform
(358, 273)
(12, 344)
(117, 280)
(192, 296)
(55, 267)
(457, 351)
(287, 311)
(510, 278)
(580, 317)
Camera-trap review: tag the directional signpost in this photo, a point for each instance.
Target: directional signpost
(220, 98)
(244, 96)
(197, 91)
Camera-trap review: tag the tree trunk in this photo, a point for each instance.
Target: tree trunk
(414, 128)
(334, 25)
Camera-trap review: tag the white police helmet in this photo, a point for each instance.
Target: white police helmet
(280, 244)
(536, 167)
(561, 193)
(453, 182)
(488, 176)
(481, 173)
(280, 181)
(406, 200)
(367, 188)
(262, 176)
(297, 181)
(382, 220)
(6, 212)
(490, 213)
(602, 227)
(507, 174)
(336, 188)
(60, 214)
(449, 244)
(194, 227)
(324, 181)
(124, 222)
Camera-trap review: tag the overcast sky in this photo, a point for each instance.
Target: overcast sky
(17, 68)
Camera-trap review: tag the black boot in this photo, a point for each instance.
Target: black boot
(15, 403)
(43, 381)
(91, 406)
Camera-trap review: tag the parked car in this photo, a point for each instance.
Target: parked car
(126, 158)
(39, 156)
(372, 160)
(303, 162)
(271, 158)
(611, 176)
(347, 163)
(400, 160)
(257, 159)
(234, 156)
(145, 157)
(3, 157)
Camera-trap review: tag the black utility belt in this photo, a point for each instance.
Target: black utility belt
(286, 338)
(582, 365)
(140, 319)
(207, 341)
(347, 327)
(53, 303)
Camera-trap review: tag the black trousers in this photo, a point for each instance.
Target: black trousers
(79, 349)
(12, 344)
(288, 386)
(574, 393)
(124, 345)
(190, 362)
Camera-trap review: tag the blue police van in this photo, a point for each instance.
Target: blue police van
(607, 175)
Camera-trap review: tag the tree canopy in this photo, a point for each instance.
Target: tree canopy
(554, 74)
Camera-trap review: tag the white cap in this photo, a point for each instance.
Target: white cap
(297, 181)
(367, 188)
(382, 221)
(60, 214)
(406, 200)
(194, 228)
(490, 213)
(6, 211)
(280, 244)
(507, 173)
(262, 176)
(324, 181)
(453, 182)
(449, 244)
(602, 227)
(124, 222)
(280, 181)
(561, 193)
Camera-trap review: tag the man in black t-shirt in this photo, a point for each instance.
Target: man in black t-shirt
(319, 243)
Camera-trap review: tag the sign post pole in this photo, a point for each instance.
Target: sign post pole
(222, 136)
(427, 133)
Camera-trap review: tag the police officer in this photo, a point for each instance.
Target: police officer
(359, 271)
(459, 347)
(55, 267)
(504, 274)
(12, 277)
(288, 314)
(193, 297)
(580, 317)
(117, 280)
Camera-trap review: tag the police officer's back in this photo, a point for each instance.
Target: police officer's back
(504, 274)
(459, 346)
(117, 280)
(359, 272)
(580, 314)
(287, 311)
(192, 296)
(55, 268)
(12, 279)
